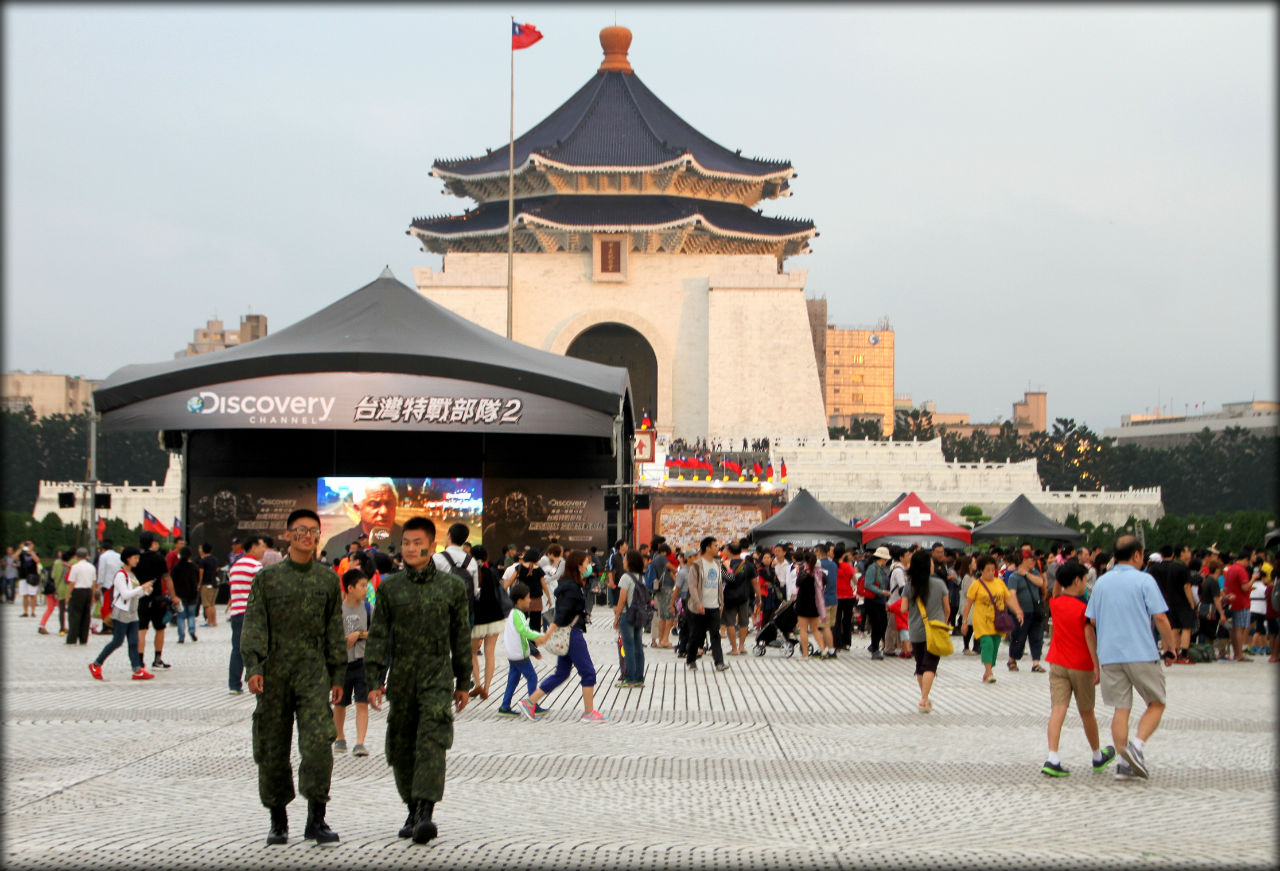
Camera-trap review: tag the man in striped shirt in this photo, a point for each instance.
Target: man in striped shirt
(241, 577)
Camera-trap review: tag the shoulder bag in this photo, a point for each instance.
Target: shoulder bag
(937, 634)
(558, 643)
(1004, 620)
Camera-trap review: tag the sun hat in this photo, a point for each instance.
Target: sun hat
(882, 552)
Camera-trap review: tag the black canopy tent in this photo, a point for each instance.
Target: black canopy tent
(1022, 519)
(385, 382)
(1271, 538)
(804, 523)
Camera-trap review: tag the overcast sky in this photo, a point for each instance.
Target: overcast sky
(1077, 199)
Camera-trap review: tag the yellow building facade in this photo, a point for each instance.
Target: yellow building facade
(858, 375)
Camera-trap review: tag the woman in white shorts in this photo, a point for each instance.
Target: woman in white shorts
(489, 623)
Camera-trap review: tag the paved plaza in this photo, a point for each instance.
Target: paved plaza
(778, 763)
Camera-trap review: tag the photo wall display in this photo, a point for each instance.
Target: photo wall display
(497, 511)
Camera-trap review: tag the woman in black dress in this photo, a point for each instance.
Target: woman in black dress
(809, 605)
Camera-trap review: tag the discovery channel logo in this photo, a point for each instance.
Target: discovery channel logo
(265, 409)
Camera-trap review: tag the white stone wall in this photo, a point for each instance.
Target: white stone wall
(697, 311)
(127, 501)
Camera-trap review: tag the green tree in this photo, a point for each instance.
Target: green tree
(858, 430)
(911, 424)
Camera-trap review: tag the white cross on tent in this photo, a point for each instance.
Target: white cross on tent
(915, 516)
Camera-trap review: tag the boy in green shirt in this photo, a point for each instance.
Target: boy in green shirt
(515, 639)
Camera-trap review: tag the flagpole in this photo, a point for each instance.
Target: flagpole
(511, 169)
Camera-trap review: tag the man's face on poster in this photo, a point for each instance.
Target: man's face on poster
(378, 508)
(224, 506)
(517, 505)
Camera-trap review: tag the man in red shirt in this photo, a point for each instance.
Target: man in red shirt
(1235, 589)
(1073, 669)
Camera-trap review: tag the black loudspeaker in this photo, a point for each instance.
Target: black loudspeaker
(611, 502)
(66, 500)
(101, 500)
(642, 502)
(172, 439)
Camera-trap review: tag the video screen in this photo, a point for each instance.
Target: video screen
(378, 508)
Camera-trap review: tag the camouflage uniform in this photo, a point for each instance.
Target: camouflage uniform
(292, 636)
(422, 624)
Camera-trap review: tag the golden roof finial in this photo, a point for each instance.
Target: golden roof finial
(615, 41)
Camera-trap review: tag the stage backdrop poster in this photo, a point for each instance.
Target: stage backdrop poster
(220, 509)
(529, 512)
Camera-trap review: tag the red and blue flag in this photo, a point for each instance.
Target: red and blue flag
(523, 35)
(150, 523)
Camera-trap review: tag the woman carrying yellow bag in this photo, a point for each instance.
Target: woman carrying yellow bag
(931, 606)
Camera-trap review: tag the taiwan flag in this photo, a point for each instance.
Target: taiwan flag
(732, 467)
(102, 527)
(523, 35)
(151, 524)
(756, 469)
(177, 528)
(784, 470)
(768, 472)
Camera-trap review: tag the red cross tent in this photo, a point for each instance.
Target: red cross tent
(910, 521)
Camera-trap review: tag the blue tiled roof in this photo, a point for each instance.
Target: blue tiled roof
(614, 120)
(625, 211)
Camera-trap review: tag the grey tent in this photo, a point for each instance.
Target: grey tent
(383, 340)
(804, 523)
(1023, 520)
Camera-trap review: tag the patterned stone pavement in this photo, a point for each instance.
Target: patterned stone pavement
(775, 763)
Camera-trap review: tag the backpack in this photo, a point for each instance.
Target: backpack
(27, 566)
(460, 571)
(1200, 653)
(738, 589)
(650, 574)
(639, 604)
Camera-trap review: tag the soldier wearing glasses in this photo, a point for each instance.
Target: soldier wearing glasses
(295, 657)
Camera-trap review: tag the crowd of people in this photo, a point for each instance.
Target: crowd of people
(420, 628)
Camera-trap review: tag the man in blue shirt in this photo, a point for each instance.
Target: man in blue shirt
(1123, 604)
(829, 599)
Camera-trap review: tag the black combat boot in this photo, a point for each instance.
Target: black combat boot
(423, 829)
(316, 826)
(406, 831)
(279, 832)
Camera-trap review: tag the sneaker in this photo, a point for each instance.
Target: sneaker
(635, 685)
(159, 663)
(875, 654)
(1054, 769)
(692, 666)
(1108, 754)
(142, 674)
(970, 653)
(620, 683)
(359, 750)
(182, 641)
(724, 666)
(1133, 756)
(95, 670)
(507, 712)
(1123, 771)
(62, 632)
(42, 630)
(527, 709)
(193, 637)
(340, 746)
(236, 691)
(593, 717)
(539, 711)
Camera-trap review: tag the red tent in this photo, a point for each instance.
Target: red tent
(911, 521)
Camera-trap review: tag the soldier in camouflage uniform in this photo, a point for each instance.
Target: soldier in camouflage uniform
(422, 627)
(295, 655)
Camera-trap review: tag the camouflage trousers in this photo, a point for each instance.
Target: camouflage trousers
(419, 731)
(284, 699)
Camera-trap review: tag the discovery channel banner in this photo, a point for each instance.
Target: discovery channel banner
(529, 512)
(360, 401)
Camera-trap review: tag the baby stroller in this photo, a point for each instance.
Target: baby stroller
(777, 632)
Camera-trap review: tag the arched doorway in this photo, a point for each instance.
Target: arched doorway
(619, 345)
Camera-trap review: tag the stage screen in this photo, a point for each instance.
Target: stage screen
(225, 508)
(378, 507)
(529, 512)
